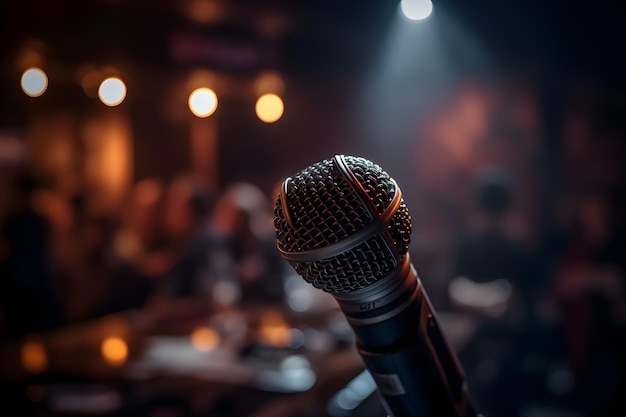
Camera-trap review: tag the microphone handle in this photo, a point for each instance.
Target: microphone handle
(420, 376)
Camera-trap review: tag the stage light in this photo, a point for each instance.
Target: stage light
(34, 82)
(112, 91)
(203, 102)
(269, 108)
(416, 9)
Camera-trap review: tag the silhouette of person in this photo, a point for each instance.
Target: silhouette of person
(29, 298)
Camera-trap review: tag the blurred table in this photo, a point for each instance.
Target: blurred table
(265, 361)
(124, 359)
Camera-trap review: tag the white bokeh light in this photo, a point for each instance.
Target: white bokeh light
(203, 102)
(416, 9)
(34, 82)
(112, 91)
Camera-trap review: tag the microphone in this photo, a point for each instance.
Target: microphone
(343, 226)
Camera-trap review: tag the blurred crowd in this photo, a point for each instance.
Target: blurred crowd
(519, 224)
(172, 249)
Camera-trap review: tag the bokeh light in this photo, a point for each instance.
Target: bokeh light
(274, 330)
(416, 9)
(114, 351)
(34, 82)
(203, 102)
(205, 11)
(34, 357)
(269, 108)
(269, 82)
(89, 79)
(112, 91)
(204, 338)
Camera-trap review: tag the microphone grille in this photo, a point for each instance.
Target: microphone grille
(325, 207)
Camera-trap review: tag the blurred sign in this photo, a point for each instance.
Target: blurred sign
(223, 53)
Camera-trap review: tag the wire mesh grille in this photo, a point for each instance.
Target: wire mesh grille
(325, 208)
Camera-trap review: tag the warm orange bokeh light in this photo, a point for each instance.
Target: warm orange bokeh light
(274, 330)
(114, 351)
(34, 357)
(269, 108)
(205, 338)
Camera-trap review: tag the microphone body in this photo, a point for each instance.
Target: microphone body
(343, 226)
(414, 368)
